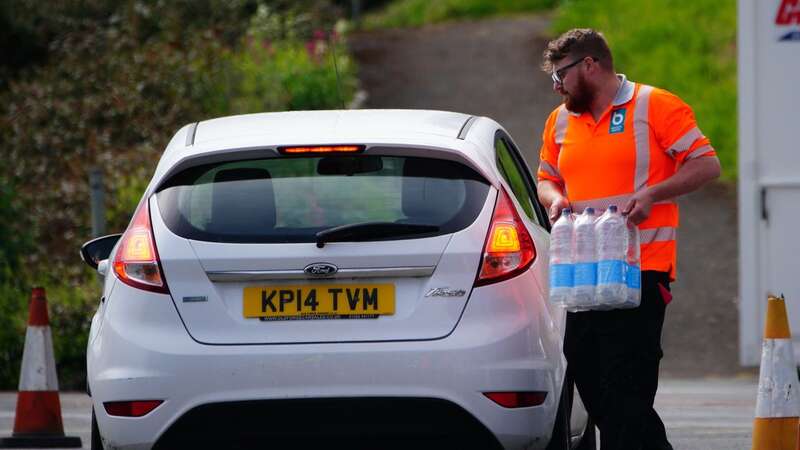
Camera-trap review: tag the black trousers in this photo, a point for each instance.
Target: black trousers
(613, 356)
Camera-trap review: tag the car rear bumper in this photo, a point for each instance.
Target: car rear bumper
(143, 352)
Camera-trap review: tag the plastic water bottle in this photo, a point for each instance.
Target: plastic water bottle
(633, 271)
(585, 261)
(611, 234)
(561, 260)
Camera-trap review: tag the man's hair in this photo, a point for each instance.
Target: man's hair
(578, 43)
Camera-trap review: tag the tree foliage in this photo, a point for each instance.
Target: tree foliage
(104, 84)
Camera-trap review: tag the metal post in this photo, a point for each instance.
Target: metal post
(98, 202)
(355, 12)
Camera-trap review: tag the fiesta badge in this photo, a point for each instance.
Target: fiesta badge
(321, 269)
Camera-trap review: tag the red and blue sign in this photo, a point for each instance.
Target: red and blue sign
(789, 16)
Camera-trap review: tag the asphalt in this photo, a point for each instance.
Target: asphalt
(700, 414)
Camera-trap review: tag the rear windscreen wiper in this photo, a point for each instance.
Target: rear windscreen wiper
(365, 231)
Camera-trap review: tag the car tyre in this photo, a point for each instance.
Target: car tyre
(96, 441)
(560, 439)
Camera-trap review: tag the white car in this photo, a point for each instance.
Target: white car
(356, 279)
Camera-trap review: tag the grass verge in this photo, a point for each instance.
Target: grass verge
(685, 46)
(415, 13)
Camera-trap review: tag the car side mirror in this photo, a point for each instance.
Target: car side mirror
(98, 250)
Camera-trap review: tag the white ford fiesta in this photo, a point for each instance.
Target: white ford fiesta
(361, 279)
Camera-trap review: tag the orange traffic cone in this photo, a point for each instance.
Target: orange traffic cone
(778, 406)
(38, 420)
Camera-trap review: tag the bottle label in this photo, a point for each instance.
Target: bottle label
(610, 272)
(633, 277)
(561, 276)
(586, 274)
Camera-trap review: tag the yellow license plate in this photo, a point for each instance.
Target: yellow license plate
(324, 301)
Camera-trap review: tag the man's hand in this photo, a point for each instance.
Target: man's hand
(552, 197)
(638, 207)
(690, 176)
(558, 204)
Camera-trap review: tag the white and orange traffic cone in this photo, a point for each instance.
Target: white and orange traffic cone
(38, 420)
(778, 406)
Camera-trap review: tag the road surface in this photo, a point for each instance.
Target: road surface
(700, 414)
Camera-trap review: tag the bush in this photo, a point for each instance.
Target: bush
(414, 13)
(13, 306)
(113, 88)
(685, 46)
(71, 309)
(291, 76)
(12, 296)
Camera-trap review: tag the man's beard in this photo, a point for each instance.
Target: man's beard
(581, 98)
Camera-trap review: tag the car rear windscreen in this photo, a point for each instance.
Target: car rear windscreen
(291, 199)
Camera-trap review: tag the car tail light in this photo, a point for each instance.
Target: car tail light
(136, 262)
(321, 149)
(517, 399)
(136, 408)
(509, 249)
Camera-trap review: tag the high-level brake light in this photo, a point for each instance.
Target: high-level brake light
(509, 249)
(321, 149)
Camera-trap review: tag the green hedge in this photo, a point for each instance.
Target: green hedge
(685, 46)
(110, 93)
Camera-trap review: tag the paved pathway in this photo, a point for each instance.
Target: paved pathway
(708, 414)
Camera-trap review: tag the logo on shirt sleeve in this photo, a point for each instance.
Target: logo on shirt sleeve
(617, 121)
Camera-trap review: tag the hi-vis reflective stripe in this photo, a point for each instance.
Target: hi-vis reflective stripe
(38, 364)
(698, 152)
(603, 203)
(641, 136)
(561, 125)
(777, 389)
(685, 142)
(661, 234)
(548, 168)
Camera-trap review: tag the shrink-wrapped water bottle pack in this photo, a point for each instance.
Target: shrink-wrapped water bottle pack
(594, 261)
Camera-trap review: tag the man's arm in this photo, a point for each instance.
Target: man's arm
(552, 197)
(690, 176)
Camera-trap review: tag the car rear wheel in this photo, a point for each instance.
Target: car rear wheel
(97, 443)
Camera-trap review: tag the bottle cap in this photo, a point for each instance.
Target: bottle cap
(612, 208)
(589, 210)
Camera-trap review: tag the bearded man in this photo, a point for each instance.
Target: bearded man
(617, 142)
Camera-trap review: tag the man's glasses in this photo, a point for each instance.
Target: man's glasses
(558, 75)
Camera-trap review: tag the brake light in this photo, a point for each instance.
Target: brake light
(509, 249)
(136, 408)
(136, 262)
(321, 149)
(517, 399)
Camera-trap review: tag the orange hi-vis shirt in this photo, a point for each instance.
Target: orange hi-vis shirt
(639, 141)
